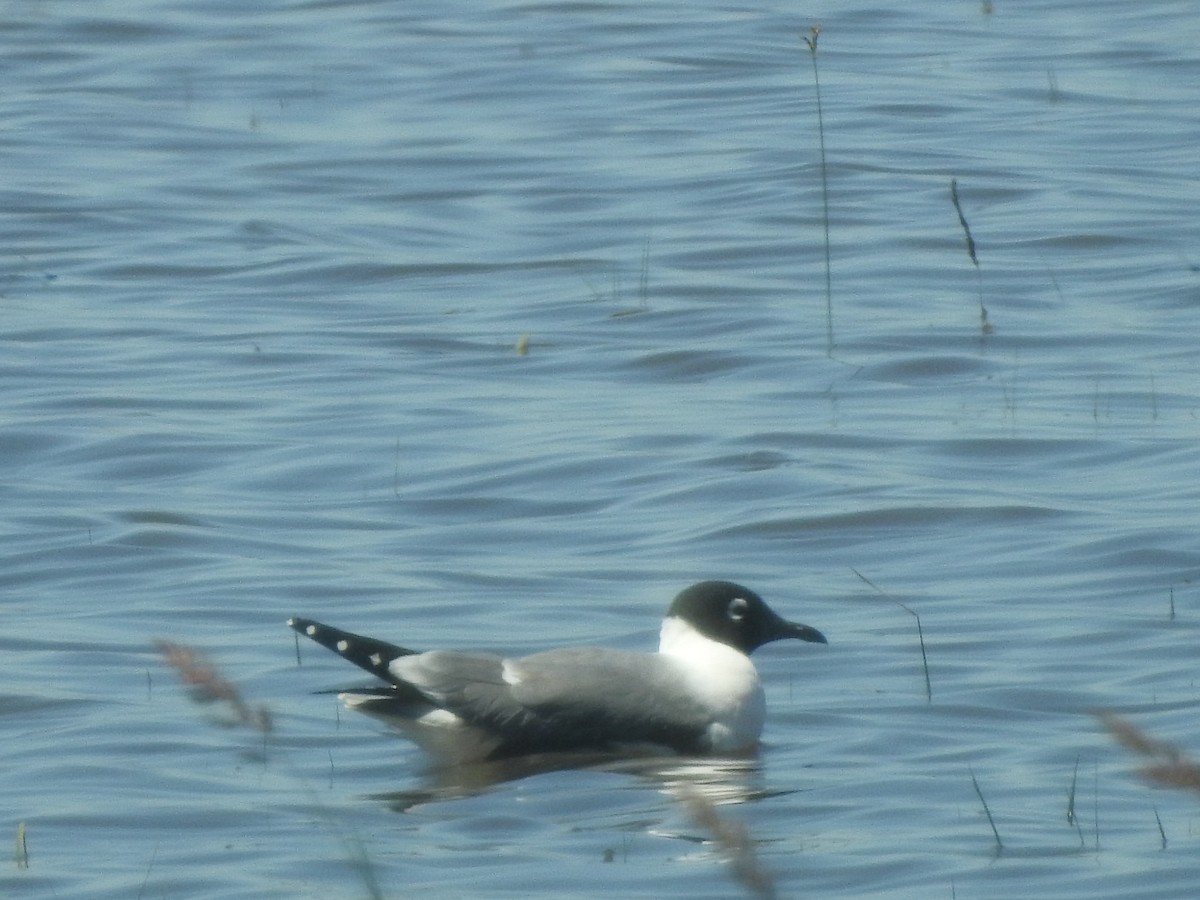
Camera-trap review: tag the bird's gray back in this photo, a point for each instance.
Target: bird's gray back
(563, 699)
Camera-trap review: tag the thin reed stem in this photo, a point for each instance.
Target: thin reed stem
(985, 327)
(810, 40)
(988, 813)
(920, 631)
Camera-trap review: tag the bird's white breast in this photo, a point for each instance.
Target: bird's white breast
(721, 678)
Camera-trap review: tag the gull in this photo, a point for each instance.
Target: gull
(699, 695)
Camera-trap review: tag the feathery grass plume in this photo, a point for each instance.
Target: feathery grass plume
(988, 813)
(810, 40)
(735, 843)
(1167, 765)
(920, 631)
(207, 685)
(985, 327)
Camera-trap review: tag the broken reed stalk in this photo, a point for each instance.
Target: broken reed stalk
(22, 848)
(988, 813)
(985, 327)
(810, 40)
(920, 631)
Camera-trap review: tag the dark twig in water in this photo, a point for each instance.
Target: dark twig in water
(988, 813)
(810, 40)
(985, 326)
(920, 631)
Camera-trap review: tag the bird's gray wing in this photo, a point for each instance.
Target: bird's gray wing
(567, 699)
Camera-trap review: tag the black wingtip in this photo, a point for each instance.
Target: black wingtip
(365, 652)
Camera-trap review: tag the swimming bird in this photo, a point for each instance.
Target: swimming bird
(698, 695)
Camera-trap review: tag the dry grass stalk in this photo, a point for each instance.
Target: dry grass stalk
(207, 685)
(735, 843)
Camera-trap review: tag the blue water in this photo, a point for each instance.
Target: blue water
(494, 325)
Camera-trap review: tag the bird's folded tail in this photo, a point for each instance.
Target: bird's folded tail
(367, 653)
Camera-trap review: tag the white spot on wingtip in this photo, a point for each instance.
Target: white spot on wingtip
(310, 630)
(343, 646)
(440, 718)
(376, 659)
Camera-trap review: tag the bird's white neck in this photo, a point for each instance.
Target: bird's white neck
(722, 678)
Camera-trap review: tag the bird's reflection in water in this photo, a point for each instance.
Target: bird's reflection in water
(699, 786)
(713, 780)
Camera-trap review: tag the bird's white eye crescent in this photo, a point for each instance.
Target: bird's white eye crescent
(737, 609)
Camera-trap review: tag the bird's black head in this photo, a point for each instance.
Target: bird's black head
(736, 616)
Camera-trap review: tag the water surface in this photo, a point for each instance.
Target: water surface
(266, 277)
